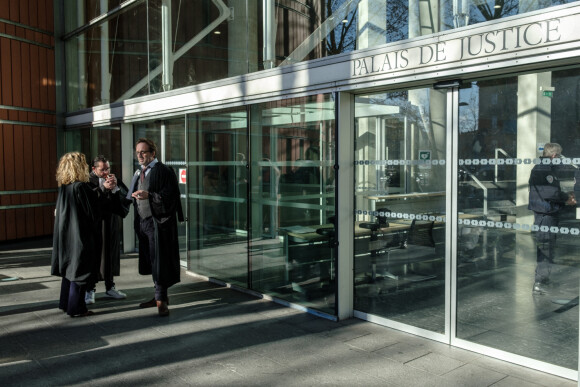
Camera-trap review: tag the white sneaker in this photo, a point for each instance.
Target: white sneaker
(114, 293)
(90, 297)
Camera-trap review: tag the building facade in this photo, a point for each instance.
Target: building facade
(352, 158)
(28, 120)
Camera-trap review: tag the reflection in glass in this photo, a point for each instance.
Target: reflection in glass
(160, 45)
(501, 137)
(101, 140)
(175, 158)
(217, 174)
(400, 158)
(292, 191)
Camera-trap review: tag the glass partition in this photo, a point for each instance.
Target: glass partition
(292, 240)
(217, 175)
(517, 240)
(100, 140)
(400, 211)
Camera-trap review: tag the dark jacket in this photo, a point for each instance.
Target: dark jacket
(545, 195)
(165, 202)
(76, 246)
(114, 207)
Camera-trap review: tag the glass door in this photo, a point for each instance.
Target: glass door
(400, 208)
(517, 238)
(218, 164)
(292, 235)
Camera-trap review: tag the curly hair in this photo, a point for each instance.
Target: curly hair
(72, 167)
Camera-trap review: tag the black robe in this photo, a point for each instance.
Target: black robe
(114, 207)
(76, 246)
(165, 202)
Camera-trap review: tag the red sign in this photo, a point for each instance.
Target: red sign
(182, 176)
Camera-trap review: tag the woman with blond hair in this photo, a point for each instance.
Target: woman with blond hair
(77, 237)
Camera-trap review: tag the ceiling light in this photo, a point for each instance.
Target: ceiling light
(217, 32)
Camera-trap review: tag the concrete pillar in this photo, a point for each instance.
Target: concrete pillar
(423, 17)
(82, 64)
(166, 46)
(242, 37)
(533, 126)
(105, 75)
(372, 24)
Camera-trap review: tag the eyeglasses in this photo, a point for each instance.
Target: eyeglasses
(142, 153)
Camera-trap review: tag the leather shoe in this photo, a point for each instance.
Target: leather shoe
(162, 308)
(149, 304)
(86, 314)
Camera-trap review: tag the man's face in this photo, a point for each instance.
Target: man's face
(102, 169)
(144, 155)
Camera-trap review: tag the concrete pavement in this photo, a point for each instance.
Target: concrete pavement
(214, 336)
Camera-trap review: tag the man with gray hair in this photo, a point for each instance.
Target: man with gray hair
(546, 199)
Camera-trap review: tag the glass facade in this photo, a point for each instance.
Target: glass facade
(261, 198)
(120, 50)
(444, 239)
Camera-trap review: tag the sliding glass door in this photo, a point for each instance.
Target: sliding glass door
(517, 244)
(400, 159)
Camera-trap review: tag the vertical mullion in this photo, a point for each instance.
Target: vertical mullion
(451, 211)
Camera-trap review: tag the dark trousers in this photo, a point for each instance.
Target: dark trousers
(545, 246)
(106, 268)
(147, 249)
(72, 297)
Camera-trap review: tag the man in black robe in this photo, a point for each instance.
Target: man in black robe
(157, 208)
(114, 207)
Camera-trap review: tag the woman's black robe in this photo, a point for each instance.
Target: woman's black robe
(76, 246)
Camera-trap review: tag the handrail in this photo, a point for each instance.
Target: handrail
(498, 150)
(481, 185)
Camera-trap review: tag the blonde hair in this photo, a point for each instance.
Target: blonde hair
(72, 167)
(552, 149)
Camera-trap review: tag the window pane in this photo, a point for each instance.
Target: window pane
(292, 191)
(400, 177)
(217, 197)
(517, 266)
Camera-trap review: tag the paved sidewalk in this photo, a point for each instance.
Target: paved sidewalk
(214, 336)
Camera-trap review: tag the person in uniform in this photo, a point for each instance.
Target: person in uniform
(546, 199)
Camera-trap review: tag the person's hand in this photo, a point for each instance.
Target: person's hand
(140, 195)
(112, 179)
(571, 200)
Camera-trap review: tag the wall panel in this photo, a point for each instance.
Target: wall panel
(27, 119)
